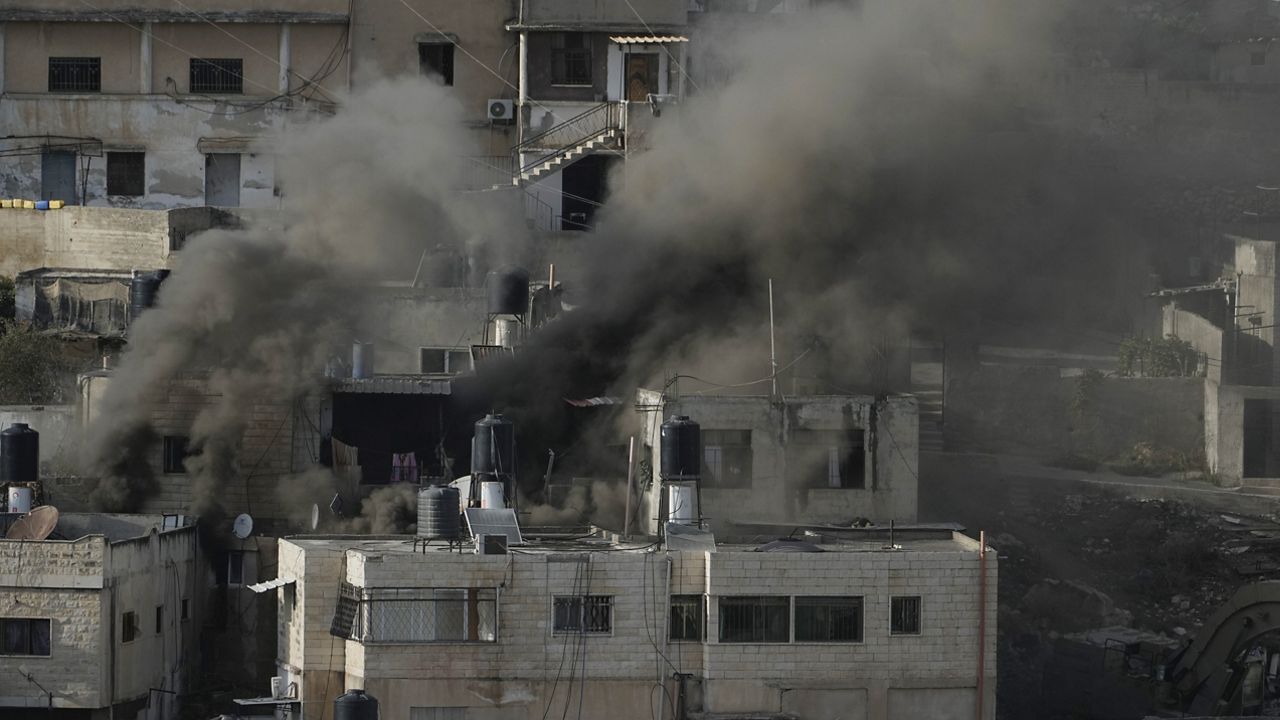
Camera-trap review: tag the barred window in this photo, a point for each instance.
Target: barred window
(586, 614)
(24, 636)
(344, 615)
(571, 59)
(75, 74)
(828, 619)
(126, 173)
(425, 615)
(726, 458)
(755, 619)
(688, 614)
(223, 76)
(904, 615)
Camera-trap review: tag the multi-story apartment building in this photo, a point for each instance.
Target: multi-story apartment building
(855, 626)
(103, 622)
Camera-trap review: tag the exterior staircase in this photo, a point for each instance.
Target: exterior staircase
(598, 128)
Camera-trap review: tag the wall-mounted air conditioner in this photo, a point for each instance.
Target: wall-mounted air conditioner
(502, 110)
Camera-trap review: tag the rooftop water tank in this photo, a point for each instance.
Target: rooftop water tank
(508, 291)
(143, 290)
(680, 441)
(19, 454)
(438, 513)
(355, 705)
(493, 448)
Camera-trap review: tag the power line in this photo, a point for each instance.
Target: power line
(664, 47)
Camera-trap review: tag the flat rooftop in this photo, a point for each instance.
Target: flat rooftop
(113, 526)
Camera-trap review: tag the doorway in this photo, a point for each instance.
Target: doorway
(58, 176)
(585, 184)
(222, 180)
(1258, 455)
(642, 76)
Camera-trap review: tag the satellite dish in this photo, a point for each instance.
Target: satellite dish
(315, 516)
(35, 525)
(243, 526)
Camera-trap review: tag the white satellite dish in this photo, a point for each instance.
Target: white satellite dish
(315, 516)
(243, 526)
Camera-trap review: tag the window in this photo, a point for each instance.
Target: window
(437, 713)
(129, 630)
(75, 74)
(235, 567)
(828, 619)
(223, 76)
(126, 173)
(1258, 57)
(571, 59)
(904, 615)
(423, 615)
(186, 609)
(159, 619)
(726, 458)
(763, 619)
(24, 636)
(828, 458)
(586, 614)
(436, 60)
(444, 361)
(177, 448)
(688, 613)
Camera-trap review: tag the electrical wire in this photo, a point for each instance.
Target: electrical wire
(662, 45)
(765, 379)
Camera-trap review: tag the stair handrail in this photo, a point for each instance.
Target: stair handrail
(585, 125)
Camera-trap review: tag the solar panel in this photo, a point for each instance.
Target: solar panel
(494, 521)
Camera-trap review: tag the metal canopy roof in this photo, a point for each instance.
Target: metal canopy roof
(647, 39)
(273, 584)
(395, 385)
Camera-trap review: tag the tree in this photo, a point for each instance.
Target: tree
(34, 368)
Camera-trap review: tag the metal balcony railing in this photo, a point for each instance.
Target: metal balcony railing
(564, 137)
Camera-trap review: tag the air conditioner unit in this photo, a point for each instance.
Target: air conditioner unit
(502, 110)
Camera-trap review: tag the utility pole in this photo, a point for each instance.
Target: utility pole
(773, 349)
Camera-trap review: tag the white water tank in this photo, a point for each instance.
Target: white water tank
(19, 499)
(491, 495)
(682, 504)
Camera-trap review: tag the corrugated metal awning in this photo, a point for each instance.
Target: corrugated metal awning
(395, 385)
(273, 584)
(595, 401)
(647, 39)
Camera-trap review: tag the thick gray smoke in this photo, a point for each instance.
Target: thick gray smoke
(262, 309)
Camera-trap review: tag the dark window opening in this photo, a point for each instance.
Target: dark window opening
(904, 615)
(129, 629)
(763, 619)
(688, 618)
(186, 609)
(828, 458)
(159, 619)
(25, 636)
(828, 619)
(1258, 57)
(235, 567)
(436, 60)
(177, 448)
(217, 76)
(126, 173)
(571, 59)
(444, 361)
(726, 458)
(75, 74)
(586, 614)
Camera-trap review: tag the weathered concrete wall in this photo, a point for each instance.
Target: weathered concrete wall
(306, 653)
(89, 238)
(1035, 411)
(776, 493)
(657, 13)
(403, 320)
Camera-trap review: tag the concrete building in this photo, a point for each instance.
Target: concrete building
(101, 620)
(805, 459)
(852, 628)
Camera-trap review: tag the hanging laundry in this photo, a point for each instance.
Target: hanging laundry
(404, 467)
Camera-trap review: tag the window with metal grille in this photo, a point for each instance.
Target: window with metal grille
(726, 458)
(177, 448)
(827, 458)
(25, 636)
(217, 76)
(584, 614)
(828, 619)
(129, 629)
(75, 74)
(571, 59)
(904, 615)
(426, 615)
(688, 618)
(344, 615)
(436, 60)
(755, 619)
(235, 567)
(126, 173)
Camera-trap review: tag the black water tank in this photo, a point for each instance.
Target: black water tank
(143, 290)
(681, 449)
(493, 447)
(355, 705)
(19, 454)
(508, 291)
(438, 509)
